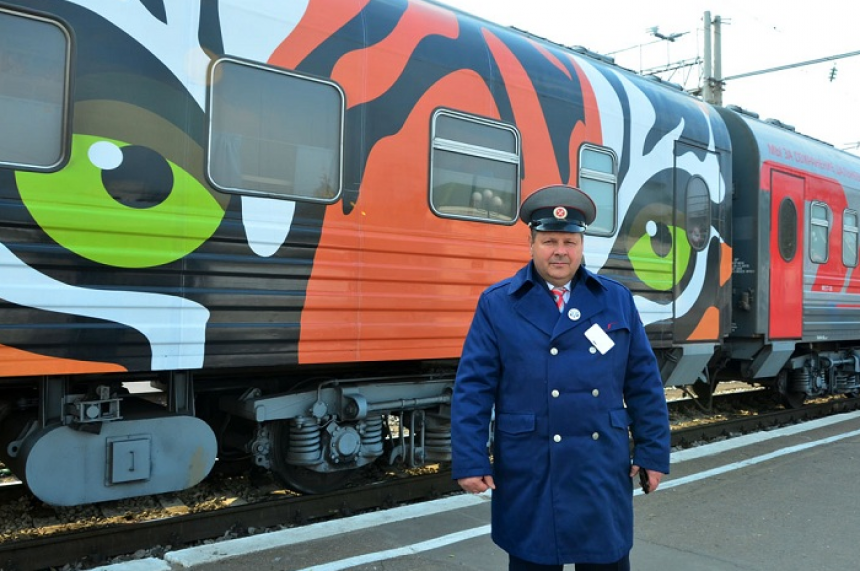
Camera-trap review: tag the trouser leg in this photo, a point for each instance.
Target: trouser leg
(622, 564)
(517, 564)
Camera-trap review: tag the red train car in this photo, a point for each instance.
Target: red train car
(795, 288)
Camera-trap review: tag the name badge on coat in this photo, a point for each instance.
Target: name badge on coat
(599, 339)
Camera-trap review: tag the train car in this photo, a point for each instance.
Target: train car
(281, 214)
(795, 286)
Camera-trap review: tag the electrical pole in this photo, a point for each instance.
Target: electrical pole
(718, 61)
(712, 88)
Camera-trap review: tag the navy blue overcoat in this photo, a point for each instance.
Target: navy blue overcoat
(561, 449)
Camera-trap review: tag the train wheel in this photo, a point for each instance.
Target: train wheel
(789, 399)
(300, 478)
(793, 400)
(310, 482)
(702, 389)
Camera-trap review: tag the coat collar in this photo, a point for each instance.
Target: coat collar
(532, 300)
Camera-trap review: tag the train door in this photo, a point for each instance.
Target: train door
(696, 222)
(785, 251)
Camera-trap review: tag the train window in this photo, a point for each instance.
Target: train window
(850, 232)
(819, 232)
(787, 229)
(34, 92)
(274, 133)
(475, 169)
(599, 180)
(698, 213)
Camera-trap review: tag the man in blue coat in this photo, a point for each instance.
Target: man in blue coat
(561, 356)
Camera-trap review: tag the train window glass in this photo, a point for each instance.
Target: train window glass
(819, 232)
(698, 213)
(850, 233)
(274, 133)
(475, 133)
(598, 179)
(34, 64)
(787, 230)
(475, 169)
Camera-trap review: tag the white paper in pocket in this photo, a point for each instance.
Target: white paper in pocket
(599, 339)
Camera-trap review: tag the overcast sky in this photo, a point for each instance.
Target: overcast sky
(756, 35)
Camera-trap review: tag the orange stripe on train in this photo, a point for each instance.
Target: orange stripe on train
(318, 23)
(15, 362)
(379, 260)
(538, 155)
(708, 328)
(366, 74)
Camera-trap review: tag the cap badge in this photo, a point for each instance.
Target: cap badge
(560, 213)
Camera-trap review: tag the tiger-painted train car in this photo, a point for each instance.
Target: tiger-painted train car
(282, 215)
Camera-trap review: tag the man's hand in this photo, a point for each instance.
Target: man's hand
(477, 484)
(650, 481)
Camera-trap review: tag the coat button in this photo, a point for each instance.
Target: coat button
(557, 438)
(555, 393)
(595, 436)
(592, 350)
(553, 351)
(595, 393)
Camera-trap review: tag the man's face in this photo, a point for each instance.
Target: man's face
(556, 255)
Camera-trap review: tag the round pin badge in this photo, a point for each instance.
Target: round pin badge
(574, 314)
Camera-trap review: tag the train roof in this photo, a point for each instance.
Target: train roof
(649, 83)
(778, 142)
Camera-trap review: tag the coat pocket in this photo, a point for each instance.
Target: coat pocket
(619, 418)
(514, 423)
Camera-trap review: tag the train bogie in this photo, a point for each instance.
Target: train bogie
(315, 440)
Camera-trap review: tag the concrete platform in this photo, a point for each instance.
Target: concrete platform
(780, 500)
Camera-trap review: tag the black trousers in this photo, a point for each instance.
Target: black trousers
(517, 564)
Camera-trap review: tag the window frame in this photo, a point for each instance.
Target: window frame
(294, 75)
(781, 231)
(707, 213)
(476, 151)
(826, 223)
(65, 104)
(600, 177)
(848, 230)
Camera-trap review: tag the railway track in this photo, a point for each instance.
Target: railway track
(97, 541)
(97, 546)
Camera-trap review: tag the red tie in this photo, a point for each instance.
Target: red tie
(558, 294)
